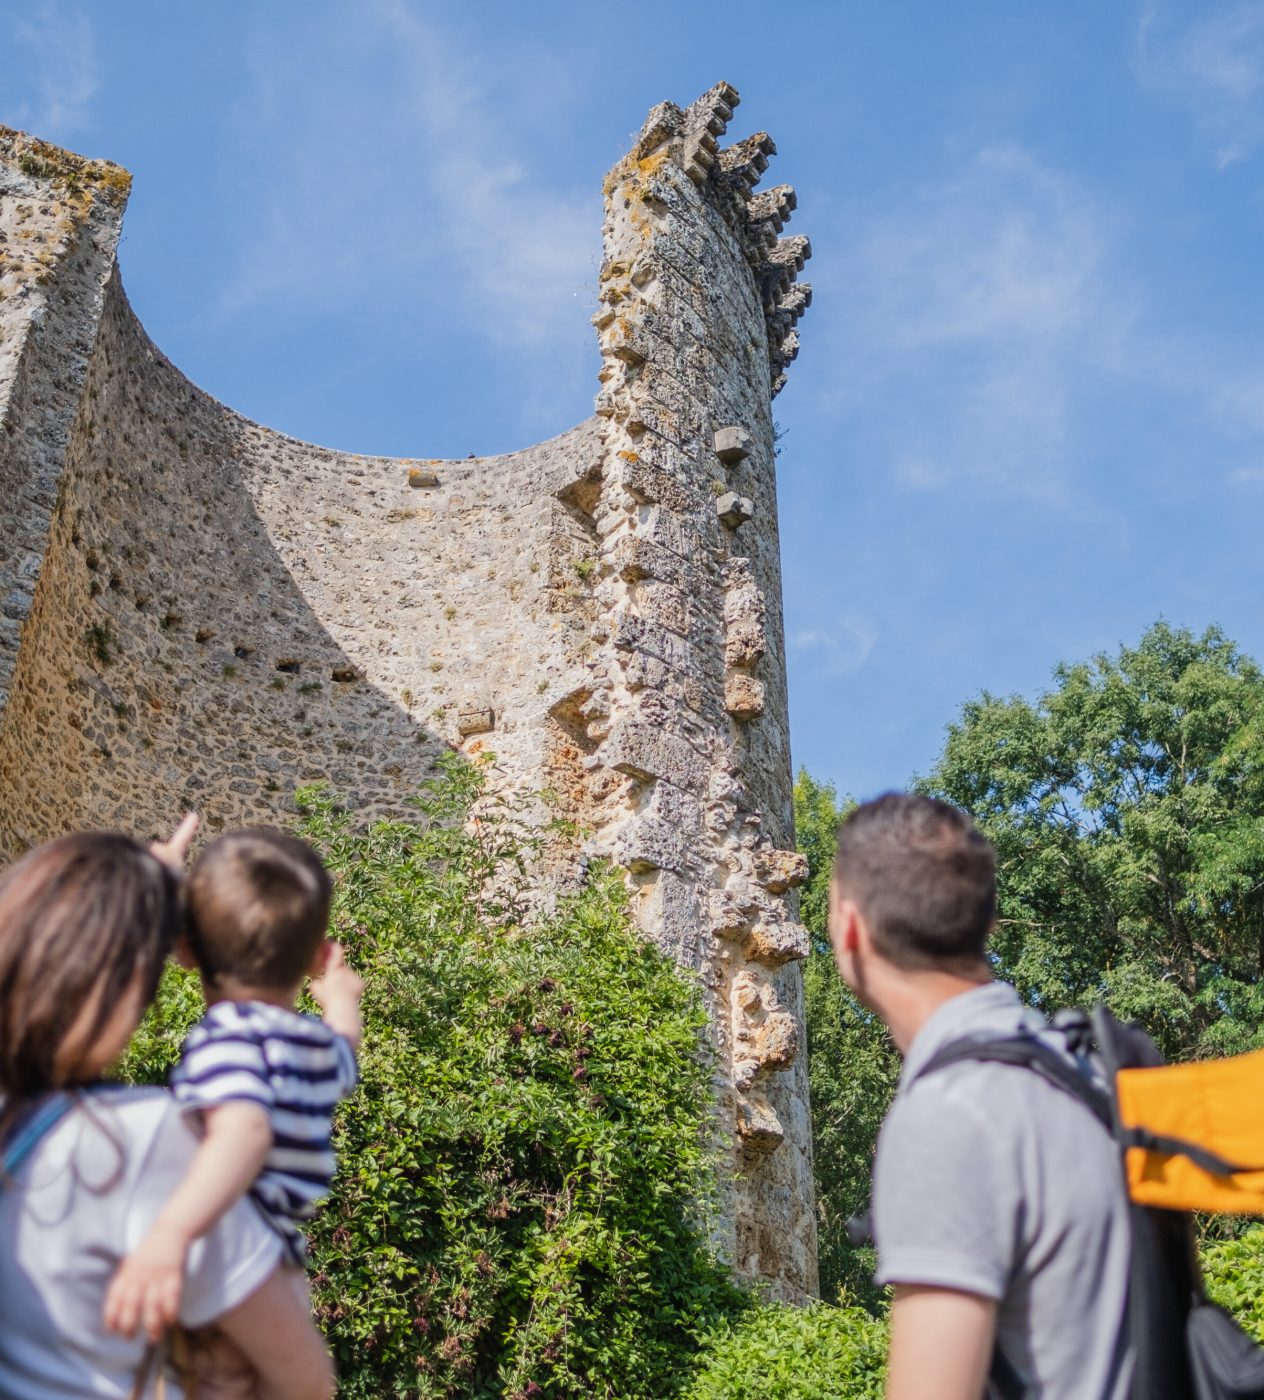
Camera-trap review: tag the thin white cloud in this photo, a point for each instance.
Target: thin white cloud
(1212, 63)
(970, 304)
(414, 187)
(58, 68)
(839, 648)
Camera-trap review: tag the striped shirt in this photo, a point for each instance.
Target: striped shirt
(295, 1068)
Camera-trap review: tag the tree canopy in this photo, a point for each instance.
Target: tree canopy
(1126, 805)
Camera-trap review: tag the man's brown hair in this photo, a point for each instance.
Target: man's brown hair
(922, 876)
(258, 908)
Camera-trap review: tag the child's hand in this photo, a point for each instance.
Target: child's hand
(146, 1288)
(174, 851)
(337, 991)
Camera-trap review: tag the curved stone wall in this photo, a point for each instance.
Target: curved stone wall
(201, 612)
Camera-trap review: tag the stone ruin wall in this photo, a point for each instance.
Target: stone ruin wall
(196, 611)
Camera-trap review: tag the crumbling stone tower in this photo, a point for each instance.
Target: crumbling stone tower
(198, 611)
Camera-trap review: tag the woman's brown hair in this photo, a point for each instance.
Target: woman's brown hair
(83, 920)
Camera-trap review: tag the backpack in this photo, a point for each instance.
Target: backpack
(1191, 1138)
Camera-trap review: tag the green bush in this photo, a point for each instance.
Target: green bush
(782, 1353)
(521, 1204)
(1233, 1270)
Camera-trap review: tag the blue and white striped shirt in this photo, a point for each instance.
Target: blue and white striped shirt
(295, 1068)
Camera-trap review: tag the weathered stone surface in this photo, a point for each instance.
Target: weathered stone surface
(197, 611)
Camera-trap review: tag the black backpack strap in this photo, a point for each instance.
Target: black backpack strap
(1004, 1382)
(1030, 1053)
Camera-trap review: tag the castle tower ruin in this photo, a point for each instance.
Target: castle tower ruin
(196, 611)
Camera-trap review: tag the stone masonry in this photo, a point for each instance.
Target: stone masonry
(196, 611)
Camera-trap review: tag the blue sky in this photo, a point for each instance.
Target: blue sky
(1028, 416)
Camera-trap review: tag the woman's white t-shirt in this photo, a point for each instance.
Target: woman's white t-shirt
(81, 1201)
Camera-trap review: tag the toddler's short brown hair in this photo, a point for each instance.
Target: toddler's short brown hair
(258, 908)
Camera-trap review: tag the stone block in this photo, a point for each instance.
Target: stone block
(677, 808)
(744, 643)
(734, 510)
(646, 753)
(774, 941)
(664, 605)
(653, 486)
(647, 842)
(637, 557)
(758, 1125)
(733, 445)
(474, 717)
(422, 478)
(633, 633)
(743, 695)
(777, 1041)
(670, 915)
(779, 871)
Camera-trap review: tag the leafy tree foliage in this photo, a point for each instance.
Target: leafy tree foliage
(1127, 809)
(852, 1066)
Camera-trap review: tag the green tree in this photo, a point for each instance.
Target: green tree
(1127, 809)
(852, 1066)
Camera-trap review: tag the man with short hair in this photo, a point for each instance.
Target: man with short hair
(999, 1212)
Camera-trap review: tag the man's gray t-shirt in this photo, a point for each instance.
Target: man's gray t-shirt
(990, 1180)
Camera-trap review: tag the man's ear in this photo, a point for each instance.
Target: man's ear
(321, 959)
(182, 954)
(851, 925)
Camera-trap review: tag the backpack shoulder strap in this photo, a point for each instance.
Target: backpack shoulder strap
(1027, 1052)
(31, 1129)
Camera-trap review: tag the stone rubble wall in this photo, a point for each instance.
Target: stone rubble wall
(212, 614)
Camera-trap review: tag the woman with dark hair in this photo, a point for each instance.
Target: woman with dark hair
(86, 923)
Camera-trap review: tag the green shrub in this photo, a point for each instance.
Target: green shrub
(521, 1204)
(1234, 1273)
(783, 1353)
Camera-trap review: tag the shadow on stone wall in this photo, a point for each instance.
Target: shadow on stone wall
(224, 613)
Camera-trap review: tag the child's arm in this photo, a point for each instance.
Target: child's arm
(337, 991)
(147, 1287)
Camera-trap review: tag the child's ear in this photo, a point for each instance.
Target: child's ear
(321, 961)
(182, 954)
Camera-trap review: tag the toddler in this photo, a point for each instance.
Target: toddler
(259, 1078)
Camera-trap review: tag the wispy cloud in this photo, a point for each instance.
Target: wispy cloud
(58, 67)
(1213, 63)
(419, 188)
(976, 297)
(838, 648)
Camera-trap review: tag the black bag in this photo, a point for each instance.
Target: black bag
(1226, 1363)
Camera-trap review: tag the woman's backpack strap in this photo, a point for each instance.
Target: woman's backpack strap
(30, 1129)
